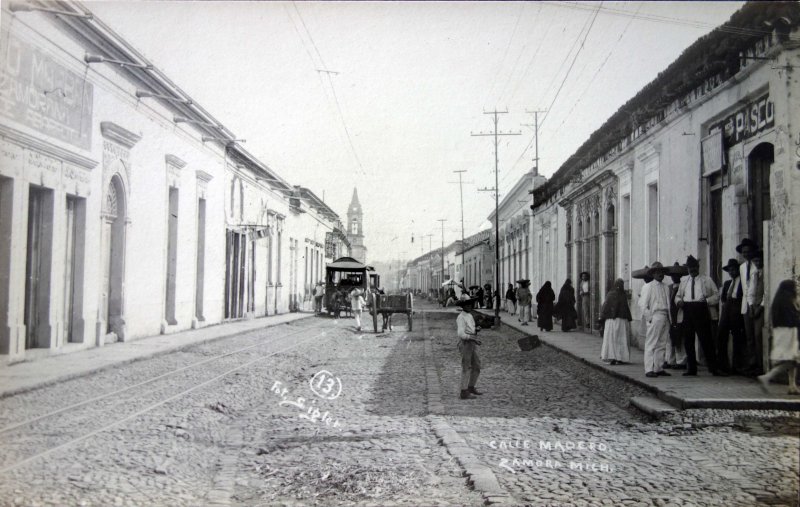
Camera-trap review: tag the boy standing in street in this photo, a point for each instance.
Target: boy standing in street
(467, 345)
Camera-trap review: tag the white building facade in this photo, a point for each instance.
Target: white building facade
(126, 209)
(702, 164)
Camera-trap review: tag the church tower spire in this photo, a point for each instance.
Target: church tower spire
(355, 229)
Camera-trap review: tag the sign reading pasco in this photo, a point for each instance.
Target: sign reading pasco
(749, 120)
(42, 94)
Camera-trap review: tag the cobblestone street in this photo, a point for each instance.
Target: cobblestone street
(315, 413)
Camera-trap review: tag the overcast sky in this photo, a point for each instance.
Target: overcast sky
(413, 80)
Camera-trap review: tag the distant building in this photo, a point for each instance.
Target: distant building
(355, 229)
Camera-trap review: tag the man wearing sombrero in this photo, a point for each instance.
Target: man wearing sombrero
(752, 303)
(467, 345)
(731, 322)
(654, 302)
(695, 294)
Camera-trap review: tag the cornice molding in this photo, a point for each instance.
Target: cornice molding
(174, 161)
(119, 134)
(30, 142)
(202, 175)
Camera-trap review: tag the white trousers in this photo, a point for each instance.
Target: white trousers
(655, 343)
(357, 316)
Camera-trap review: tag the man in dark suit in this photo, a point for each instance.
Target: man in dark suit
(731, 322)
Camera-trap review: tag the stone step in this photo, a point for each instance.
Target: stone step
(652, 406)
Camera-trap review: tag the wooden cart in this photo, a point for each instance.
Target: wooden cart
(385, 305)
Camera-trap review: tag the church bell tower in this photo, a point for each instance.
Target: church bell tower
(355, 229)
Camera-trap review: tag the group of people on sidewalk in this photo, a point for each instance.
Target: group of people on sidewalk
(685, 311)
(520, 300)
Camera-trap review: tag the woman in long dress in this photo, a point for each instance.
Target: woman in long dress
(616, 318)
(785, 317)
(565, 308)
(544, 307)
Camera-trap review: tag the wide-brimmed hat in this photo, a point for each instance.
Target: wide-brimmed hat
(639, 274)
(746, 242)
(677, 270)
(691, 262)
(731, 266)
(356, 292)
(656, 267)
(466, 301)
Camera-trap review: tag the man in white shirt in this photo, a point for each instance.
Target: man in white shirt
(467, 345)
(654, 302)
(752, 308)
(695, 294)
(357, 305)
(319, 293)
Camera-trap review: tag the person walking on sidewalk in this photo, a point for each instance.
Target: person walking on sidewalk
(524, 298)
(544, 307)
(785, 316)
(616, 318)
(565, 308)
(731, 322)
(695, 294)
(511, 300)
(467, 346)
(357, 305)
(655, 309)
(584, 302)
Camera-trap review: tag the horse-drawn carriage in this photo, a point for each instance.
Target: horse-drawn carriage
(345, 274)
(341, 277)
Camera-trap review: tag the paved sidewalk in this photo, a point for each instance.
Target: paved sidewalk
(703, 391)
(41, 371)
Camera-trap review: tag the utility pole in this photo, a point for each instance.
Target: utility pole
(430, 258)
(495, 133)
(535, 126)
(442, 221)
(461, 193)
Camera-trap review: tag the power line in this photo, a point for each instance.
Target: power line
(505, 53)
(333, 88)
(748, 32)
(561, 86)
(600, 68)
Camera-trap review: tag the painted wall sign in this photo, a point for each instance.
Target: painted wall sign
(40, 93)
(748, 121)
(712, 153)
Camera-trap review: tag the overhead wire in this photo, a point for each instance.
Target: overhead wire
(597, 72)
(585, 28)
(333, 90)
(561, 86)
(750, 32)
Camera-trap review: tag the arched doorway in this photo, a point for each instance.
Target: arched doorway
(759, 163)
(114, 218)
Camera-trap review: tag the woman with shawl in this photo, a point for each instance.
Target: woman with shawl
(511, 300)
(565, 308)
(785, 317)
(544, 307)
(616, 317)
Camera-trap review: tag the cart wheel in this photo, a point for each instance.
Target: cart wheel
(410, 326)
